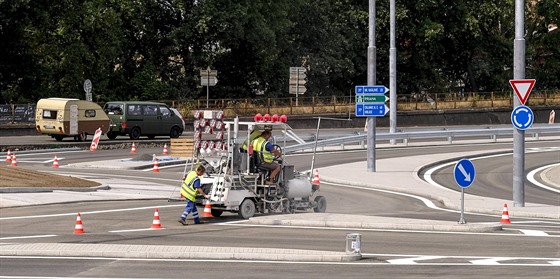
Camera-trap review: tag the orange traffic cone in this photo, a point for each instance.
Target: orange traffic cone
(8, 157)
(133, 150)
(55, 162)
(316, 180)
(165, 151)
(156, 166)
(14, 163)
(79, 228)
(207, 209)
(505, 215)
(156, 224)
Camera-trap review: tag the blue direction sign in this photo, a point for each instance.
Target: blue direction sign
(522, 117)
(371, 109)
(371, 89)
(464, 173)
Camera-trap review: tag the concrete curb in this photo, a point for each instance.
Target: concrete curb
(46, 190)
(172, 252)
(371, 222)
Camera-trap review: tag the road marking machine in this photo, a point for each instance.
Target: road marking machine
(234, 180)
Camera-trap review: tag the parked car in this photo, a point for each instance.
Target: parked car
(135, 119)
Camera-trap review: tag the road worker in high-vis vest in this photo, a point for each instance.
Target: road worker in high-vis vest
(190, 187)
(266, 152)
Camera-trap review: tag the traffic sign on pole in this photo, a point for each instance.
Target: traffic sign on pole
(522, 88)
(371, 110)
(377, 98)
(522, 117)
(371, 89)
(464, 173)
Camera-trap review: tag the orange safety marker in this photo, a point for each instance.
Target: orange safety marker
(316, 180)
(14, 163)
(156, 224)
(165, 151)
(95, 140)
(207, 209)
(55, 162)
(79, 228)
(156, 166)
(8, 157)
(133, 149)
(505, 215)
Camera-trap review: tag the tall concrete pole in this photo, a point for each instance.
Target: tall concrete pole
(392, 73)
(371, 77)
(519, 135)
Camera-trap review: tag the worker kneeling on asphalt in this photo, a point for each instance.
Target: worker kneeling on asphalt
(266, 151)
(190, 187)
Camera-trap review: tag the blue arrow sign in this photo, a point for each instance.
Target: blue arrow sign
(522, 117)
(373, 109)
(464, 173)
(371, 89)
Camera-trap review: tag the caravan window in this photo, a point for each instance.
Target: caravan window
(90, 113)
(49, 114)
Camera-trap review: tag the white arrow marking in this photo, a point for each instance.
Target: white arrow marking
(413, 260)
(464, 172)
(528, 120)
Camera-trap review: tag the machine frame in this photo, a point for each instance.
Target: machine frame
(236, 185)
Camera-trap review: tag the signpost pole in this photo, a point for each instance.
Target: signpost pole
(464, 173)
(371, 77)
(297, 86)
(207, 86)
(392, 72)
(462, 219)
(519, 135)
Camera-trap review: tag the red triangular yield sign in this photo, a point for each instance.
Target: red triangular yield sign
(522, 88)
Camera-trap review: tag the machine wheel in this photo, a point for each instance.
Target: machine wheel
(175, 132)
(216, 213)
(247, 209)
(111, 135)
(321, 204)
(58, 137)
(135, 133)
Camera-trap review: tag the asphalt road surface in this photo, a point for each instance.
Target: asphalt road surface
(401, 254)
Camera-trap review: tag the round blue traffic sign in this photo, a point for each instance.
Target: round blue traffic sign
(522, 117)
(464, 173)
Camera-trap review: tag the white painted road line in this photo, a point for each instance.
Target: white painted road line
(28, 236)
(534, 233)
(491, 261)
(137, 230)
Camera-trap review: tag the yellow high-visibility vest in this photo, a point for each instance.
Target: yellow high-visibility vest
(259, 146)
(187, 188)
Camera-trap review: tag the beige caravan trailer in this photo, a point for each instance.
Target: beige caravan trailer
(60, 118)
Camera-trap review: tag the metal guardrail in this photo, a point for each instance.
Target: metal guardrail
(449, 135)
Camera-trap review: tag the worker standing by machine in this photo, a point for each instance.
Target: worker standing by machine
(266, 152)
(189, 189)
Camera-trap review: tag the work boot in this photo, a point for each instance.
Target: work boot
(183, 222)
